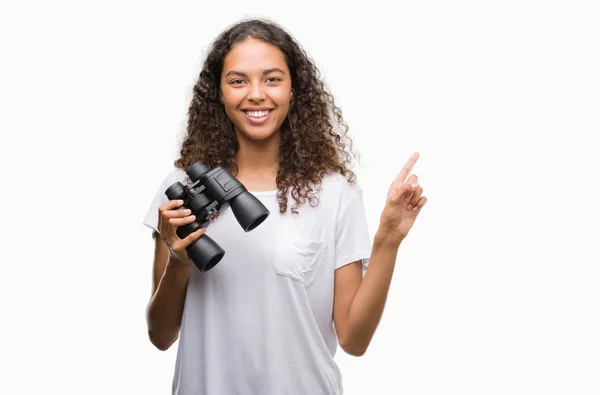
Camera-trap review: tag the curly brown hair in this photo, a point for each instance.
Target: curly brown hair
(314, 135)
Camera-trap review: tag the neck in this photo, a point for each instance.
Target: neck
(258, 161)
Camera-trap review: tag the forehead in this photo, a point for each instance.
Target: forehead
(253, 55)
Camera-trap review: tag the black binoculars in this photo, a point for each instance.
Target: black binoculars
(207, 193)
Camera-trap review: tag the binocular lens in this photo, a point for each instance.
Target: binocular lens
(248, 211)
(176, 191)
(205, 253)
(197, 171)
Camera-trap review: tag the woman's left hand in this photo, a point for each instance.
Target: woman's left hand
(403, 204)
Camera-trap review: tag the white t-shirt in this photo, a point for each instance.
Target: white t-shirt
(261, 321)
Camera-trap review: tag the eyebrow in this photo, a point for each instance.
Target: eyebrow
(268, 71)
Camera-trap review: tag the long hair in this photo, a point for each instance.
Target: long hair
(314, 135)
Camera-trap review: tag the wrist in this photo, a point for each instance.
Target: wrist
(386, 238)
(177, 266)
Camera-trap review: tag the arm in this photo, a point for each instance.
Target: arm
(358, 302)
(172, 268)
(165, 309)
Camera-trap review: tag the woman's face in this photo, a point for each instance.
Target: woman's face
(256, 89)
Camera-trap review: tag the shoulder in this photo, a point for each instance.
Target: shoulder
(340, 186)
(172, 176)
(175, 175)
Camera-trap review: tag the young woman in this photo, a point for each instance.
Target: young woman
(268, 318)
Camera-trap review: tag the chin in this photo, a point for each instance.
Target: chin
(258, 135)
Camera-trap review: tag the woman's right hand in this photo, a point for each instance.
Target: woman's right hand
(169, 219)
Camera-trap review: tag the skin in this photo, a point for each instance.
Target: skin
(358, 301)
(255, 74)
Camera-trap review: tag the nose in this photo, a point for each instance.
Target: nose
(256, 94)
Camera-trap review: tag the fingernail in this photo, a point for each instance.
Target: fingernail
(415, 185)
(180, 201)
(415, 209)
(409, 207)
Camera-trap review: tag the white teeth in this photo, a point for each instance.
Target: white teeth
(257, 114)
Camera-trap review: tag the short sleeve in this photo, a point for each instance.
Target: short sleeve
(160, 198)
(352, 241)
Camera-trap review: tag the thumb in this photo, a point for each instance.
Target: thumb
(404, 191)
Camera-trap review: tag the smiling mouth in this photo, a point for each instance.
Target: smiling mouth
(257, 118)
(257, 114)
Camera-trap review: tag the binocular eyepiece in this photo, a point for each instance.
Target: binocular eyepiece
(209, 190)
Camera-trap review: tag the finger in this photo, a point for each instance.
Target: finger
(170, 205)
(192, 237)
(177, 213)
(411, 180)
(415, 197)
(401, 193)
(420, 204)
(166, 214)
(182, 221)
(407, 168)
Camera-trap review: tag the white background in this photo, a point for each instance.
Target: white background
(496, 290)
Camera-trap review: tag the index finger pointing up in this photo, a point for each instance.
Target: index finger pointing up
(407, 168)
